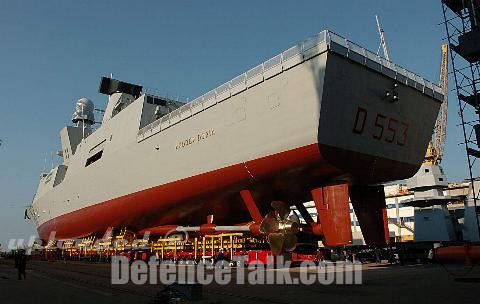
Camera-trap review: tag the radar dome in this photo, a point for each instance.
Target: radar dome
(84, 111)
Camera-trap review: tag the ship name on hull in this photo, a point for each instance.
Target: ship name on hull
(194, 139)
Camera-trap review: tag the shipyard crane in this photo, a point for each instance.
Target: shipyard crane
(436, 146)
(430, 181)
(430, 176)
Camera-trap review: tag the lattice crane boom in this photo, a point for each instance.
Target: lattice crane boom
(436, 146)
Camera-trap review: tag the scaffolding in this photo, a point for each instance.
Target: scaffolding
(462, 25)
(203, 248)
(177, 248)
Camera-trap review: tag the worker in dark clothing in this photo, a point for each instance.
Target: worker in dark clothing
(401, 255)
(17, 255)
(221, 256)
(391, 255)
(222, 259)
(377, 256)
(22, 265)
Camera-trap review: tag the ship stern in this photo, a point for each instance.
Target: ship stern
(373, 126)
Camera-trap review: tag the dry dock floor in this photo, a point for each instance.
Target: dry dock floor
(80, 282)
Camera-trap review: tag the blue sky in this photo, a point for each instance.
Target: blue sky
(54, 52)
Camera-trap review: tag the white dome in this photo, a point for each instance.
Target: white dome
(84, 111)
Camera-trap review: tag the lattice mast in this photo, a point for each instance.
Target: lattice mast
(383, 43)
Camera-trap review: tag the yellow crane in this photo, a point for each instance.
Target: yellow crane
(436, 145)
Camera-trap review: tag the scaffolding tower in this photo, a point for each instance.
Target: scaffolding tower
(462, 25)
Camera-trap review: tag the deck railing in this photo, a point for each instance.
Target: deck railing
(295, 55)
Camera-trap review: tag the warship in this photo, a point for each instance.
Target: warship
(325, 119)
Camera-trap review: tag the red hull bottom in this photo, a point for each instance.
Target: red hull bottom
(287, 176)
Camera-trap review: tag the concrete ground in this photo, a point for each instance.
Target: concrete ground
(81, 282)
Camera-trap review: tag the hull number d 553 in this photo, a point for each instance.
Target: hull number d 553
(385, 128)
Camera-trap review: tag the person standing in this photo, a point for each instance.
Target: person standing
(22, 265)
(221, 256)
(377, 256)
(16, 256)
(222, 260)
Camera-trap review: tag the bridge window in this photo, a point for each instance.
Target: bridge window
(94, 158)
